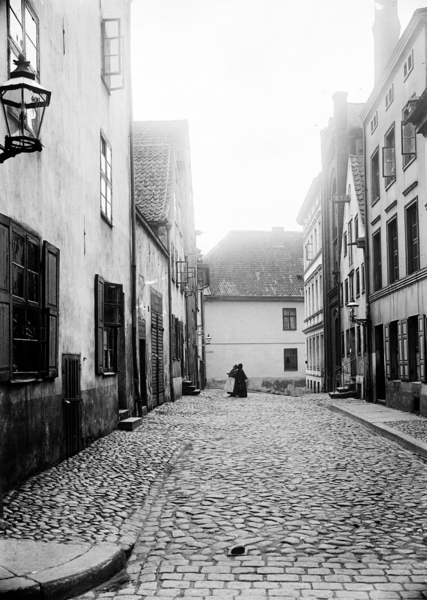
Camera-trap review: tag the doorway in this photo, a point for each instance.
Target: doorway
(379, 364)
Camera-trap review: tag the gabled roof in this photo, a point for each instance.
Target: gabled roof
(255, 264)
(157, 147)
(357, 168)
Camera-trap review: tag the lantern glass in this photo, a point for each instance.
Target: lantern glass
(24, 109)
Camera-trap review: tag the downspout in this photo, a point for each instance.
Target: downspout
(134, 272)
(368, 330)
(168, 229)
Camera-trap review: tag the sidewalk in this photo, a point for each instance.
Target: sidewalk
(406, 429)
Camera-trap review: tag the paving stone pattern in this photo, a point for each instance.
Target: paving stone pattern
(416, 428)
(323, 507)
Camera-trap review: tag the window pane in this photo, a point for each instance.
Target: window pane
(31, 55)
(112, 28)
(25, 340)
(18, 245)
(30, 27)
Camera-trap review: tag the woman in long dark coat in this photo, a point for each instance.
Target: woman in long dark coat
(240, 383)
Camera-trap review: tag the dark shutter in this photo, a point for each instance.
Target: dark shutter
(50, 309)
(422, 345)
(99, 324)
(5, 302)
(387, 350)
(403, 350)
(173, 337)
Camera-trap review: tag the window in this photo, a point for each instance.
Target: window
(375, 176)
(29, 304)
(374, 122)
(362, 267)
(351, 286)
(345, 243)
(414, 349)
(356, 228)
(394, 350)
(112, 54)
(393, 255)
(106, 180)
(291, 359)
(359, 340)
(350, 242)
(23, 34)
(389, 97)
(389, 157)
(376, 262)
(409, 65)
(412, 246)
(289, 318)
(346, 291)
(408, 138)
(357, 283)
(108, 321)
(342, 344)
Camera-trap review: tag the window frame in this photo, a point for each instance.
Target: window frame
(376, 264)
(13, 49)
(106, 180)
(375, 176)
(408, 65)
(106, 333)
(407, 156)
(292, 355)
(106, 73)
(44, 306)
(389, 97)
(290, 319)
(374, 122)
(389, 156)
(411, 240)
(392, 250)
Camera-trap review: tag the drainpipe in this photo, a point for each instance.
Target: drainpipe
(134, 270)
(168, 229)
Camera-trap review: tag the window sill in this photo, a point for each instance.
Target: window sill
(375, 200)
(404, 167)
(25, 380)
(388, 186)
(109, 374)
(104, 218)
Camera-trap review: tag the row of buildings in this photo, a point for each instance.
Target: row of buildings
(363, 219)
(100, 281)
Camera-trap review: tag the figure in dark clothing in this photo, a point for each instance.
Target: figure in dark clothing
(229, 384)
(240, 383)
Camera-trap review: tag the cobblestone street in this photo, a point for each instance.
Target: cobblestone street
(321, 507)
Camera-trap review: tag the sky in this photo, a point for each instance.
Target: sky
(254, 79)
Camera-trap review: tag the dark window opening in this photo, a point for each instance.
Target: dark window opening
(393, 254)
(377, 266)
(375, 176)
(389, 157)
(394, 350)
(291, 359)
(412, 239)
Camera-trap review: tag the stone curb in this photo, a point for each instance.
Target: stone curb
(60, 582)
(95, 566)
(406, 441)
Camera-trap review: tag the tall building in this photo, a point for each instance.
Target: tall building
(310, 217)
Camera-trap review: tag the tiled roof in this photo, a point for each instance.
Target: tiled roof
(157, 145)
(357, 168)
(250, 264)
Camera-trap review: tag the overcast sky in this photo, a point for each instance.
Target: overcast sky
(254, 79)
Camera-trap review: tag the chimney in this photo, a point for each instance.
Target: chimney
(386, 31)
(278, 237)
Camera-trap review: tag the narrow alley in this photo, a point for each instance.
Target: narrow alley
(320, 506)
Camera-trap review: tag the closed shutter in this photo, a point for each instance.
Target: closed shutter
(154, 357)
(161, 382)
(422, 345)
(51, 309)
(403, 347)
(5, 302)
(157, 366)
(387, 351)
(99, 324)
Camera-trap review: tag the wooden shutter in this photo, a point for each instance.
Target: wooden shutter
(422, 345)
(403, 347)
(5, 301)
(161, 381)
(387, 351)
(99, 324)
(50, 309)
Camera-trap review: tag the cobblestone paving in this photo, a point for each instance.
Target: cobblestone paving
(416, 428)
(322, 507)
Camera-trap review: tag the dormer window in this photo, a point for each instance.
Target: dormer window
(389, 97)
(409, 65)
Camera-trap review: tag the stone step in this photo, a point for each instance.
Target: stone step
(195, 392)
(130, 424)
(123, 413)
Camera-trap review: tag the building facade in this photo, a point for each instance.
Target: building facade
(254, 309)
(341, 138)
(65, 280)
(396, 217)
(310, 218)
(355, 370)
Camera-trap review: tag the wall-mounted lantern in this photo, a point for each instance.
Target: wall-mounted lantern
(353, 306)
(24, 102)
(208, 339)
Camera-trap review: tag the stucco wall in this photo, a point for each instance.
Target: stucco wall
(252, 333)
(56, 194)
